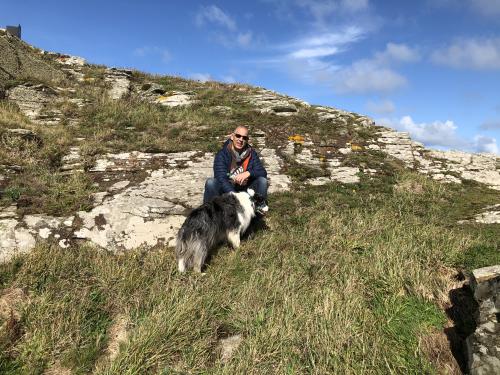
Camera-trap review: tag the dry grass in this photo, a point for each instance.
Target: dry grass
(346, 279)
(349, 280)
(32, 163)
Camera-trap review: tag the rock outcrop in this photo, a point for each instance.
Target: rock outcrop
(268, 101)
(32, 100)
(483, 346)
(445, 166)
(119, 81)
(147, 211)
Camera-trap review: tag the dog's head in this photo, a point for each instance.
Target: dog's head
(256, 199)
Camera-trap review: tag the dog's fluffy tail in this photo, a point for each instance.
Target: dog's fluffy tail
(182, 251)
(190, 251)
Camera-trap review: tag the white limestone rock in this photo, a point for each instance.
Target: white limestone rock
(71, 60)
(481, 168)
(267, 101)
(273, 163)
(31, 99)
(119, 80)
(345, 175)
(8, 212)
(490, 215)
(72, 161)
(446, 178)
(176, 99)
(14, 239)
(483, 345)
(119, 185)
(151, 212)
(228, 346)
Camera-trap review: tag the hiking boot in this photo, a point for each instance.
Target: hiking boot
(262, 208)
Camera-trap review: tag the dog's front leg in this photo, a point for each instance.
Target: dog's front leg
(199, 261)
(233, 237)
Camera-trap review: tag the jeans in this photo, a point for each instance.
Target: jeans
(213, 188)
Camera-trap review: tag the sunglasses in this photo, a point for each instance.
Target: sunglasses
(245, 137)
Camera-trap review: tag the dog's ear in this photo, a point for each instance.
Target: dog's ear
(251, 192)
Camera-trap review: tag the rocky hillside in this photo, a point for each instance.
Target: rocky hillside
(137, 149)
(117, 158)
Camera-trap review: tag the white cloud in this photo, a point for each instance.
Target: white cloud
(354, 5)
(376, 74)
(230, 35)
(366, 76)
(348, 35)
(245, 39)
(480, 54)
(312, 70)
(307, 53)
(383, 107)
(434, 134)
(202, 77)
(441, 134)
(324, 44)
(163, 53)
(166, 56)
(323, 10)
(309, 59)
(213, 14)
(486, 7)
(306, 58)
(397, 53)
(228, 79)
(319, 9)
(485, 144)
(491, 125)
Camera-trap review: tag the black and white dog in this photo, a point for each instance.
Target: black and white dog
(224, 219)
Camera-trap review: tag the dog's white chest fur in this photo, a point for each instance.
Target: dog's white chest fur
(246, 216)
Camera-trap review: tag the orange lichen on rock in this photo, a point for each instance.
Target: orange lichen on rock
(296, 138)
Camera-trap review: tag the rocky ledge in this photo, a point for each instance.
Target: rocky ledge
(483, 346)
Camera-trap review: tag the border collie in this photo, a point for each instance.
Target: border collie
(224, 219)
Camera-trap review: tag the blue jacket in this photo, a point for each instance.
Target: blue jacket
(222, 166)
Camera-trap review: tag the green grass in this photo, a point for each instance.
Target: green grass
(38, 186)
(346, 279)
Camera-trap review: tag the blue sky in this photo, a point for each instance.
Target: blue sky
(428, 67)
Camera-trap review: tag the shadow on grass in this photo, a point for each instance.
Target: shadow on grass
(462, 312)
(256, 225)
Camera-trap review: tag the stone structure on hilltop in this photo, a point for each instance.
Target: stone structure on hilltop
(14, 31)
